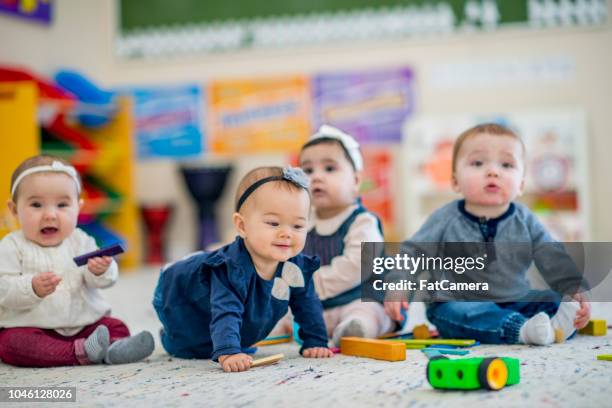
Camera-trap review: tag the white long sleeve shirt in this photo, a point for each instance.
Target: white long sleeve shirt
(75, 303)
(344, 271)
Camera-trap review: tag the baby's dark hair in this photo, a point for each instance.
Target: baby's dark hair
(329, 140)
(260, 173)
(486, 128)
(35, 161)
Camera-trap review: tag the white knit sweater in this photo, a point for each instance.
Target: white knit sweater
(74, 304)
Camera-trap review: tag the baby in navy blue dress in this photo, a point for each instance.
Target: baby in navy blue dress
(218, 304)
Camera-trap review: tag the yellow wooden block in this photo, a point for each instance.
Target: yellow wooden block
(373, 348)
(559, 336)
(273, 340)
(595, 328)
(421, 332)
(606, 357)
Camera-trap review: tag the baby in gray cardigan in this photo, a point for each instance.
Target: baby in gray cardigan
(488, 171)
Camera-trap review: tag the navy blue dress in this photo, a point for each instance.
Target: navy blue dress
(215, 303)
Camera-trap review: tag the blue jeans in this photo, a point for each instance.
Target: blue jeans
(488, 322)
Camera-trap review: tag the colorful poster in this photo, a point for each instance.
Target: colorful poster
(168, 121)
(36, 10)
(376, 187)
(371, 106)
(259, 115)
(556, 182)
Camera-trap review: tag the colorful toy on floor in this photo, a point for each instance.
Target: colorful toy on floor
(112, 250)
(285, 338)
(605, 357)
(373, 348)
(267, 360)
(595, 328)
(441, 350)
(421, 332)
(491, 373)
(427, 342)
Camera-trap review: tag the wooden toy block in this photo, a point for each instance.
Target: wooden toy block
(273, 340)
(595, 328)
(267, 360)
(373, 348)
(559, 337)
(427, 342)
(421, 332)
(606, 357)
(492, 373)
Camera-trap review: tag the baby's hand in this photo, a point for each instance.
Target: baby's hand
(394, 309)
(233, 363)
(317, 352)
(584, 313)
(99, 264)
(44, 283)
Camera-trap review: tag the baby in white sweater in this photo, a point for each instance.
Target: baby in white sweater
(50, 311)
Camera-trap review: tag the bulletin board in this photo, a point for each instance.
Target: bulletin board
(556, 179)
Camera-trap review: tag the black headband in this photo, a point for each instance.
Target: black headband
(265, 180)
(253, 187)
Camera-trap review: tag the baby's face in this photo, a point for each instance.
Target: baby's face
(489, 170)
(47, 207)
(333, 182)
(275, 222)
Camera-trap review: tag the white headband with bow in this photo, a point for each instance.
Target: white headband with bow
(56, 167)
(349, 143)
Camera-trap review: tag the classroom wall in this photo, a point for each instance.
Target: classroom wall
(83, 32)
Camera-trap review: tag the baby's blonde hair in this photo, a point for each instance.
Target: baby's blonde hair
(260, 173)
(35, 161)
(492, 129)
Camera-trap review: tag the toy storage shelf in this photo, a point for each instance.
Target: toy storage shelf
(107, 166)
(19, 139)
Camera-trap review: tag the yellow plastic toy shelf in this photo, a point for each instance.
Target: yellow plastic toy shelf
(102, 155)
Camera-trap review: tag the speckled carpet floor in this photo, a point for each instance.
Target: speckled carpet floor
(565, 375)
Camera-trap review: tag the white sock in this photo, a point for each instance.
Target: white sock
(563, 320)
(537, 330)
(348, 328)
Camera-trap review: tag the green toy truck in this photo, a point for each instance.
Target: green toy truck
(492, 373)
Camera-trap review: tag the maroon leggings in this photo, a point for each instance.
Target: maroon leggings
(34, 347)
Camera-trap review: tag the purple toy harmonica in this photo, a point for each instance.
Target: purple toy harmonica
(108, 251)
